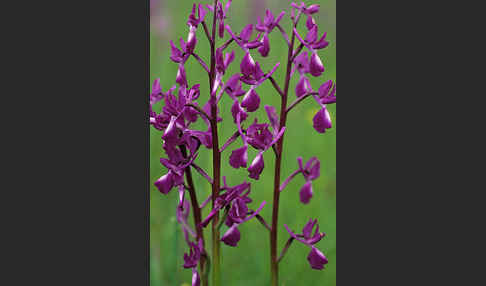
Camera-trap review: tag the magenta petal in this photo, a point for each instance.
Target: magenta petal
(171, 134)
(269, 18)
(251, 101)
(233, 81)
(247, 65)
(253, 45)
(236, 109)
(227, 6)
(245, 34)
(326, 95)
(256, 167)
(191, 114)
(313, 169)
(303, 86)
(182, 214)
(265, 48)
(310, 23)
(165, 183)
(291, 233)
(219, 60)
(238, 211)
(302, 62)
(221, 29)
(306, 193)
(176, 54)
(255, 213)
(272, 116)
(312, 35)
(312, 9)
(322, 43)
(316, 259)
(316, 67)
(210, 216)
(202, 12)
(232, 236)
(191, 40)
(181, 76)
(259, 26)
(194, 92)
(325, 88)
(239, 157)
(317, 236)
(307, 230)
(196, 280)
(156, 94)
(229, 59)
(322, 120)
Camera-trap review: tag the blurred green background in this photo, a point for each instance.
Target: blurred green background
(248, 263)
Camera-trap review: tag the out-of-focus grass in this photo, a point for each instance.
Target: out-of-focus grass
(248, 263)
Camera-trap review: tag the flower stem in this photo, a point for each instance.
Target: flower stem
(278, 163)
(196, 210)
(216, 277)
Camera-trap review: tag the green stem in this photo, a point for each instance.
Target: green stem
(216, 278)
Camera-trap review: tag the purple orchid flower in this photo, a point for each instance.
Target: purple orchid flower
(176, 164)
(243, 40)
(239, 157)
(312, 9)
(193, 20)
(303, 87)
(302, 63)
(233, 87)
(269, 23)
(225, 199)
(312, 43)
(256, 166)
(252, 75)
(259, 137)
(326, 95)
(222, 61)
(162, 120)
(316, 258)
(310, 23)
(236, 217)
(178, 56)
(322, 120)
(236, 199)
(311, 171)
(192, 258)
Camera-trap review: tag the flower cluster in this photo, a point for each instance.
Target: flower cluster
(183, 105)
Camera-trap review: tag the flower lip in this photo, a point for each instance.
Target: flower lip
(306, 192)
(239, 157)
(232, 236)
(322, 120)
(317, 259)
(256, 166)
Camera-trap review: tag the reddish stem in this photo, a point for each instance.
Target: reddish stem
(278, 163)
(216, 154)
